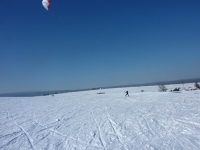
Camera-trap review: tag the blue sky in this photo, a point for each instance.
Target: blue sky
(85, 44)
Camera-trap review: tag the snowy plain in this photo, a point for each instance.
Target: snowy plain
(110, 121)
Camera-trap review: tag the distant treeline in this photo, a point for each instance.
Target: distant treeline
(183, 81)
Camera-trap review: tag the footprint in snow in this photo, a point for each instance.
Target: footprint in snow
(93, 134)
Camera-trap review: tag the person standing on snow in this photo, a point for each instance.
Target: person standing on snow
(126, 93)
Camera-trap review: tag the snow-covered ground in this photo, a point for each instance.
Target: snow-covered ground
(110, 121)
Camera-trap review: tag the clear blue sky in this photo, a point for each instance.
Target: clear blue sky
(95, 43)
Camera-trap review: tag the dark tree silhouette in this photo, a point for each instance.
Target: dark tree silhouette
(197, 85)
(162, 88)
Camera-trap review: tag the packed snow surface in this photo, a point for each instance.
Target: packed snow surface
(110, 121)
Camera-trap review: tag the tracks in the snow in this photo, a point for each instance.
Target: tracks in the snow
(99, 130)
(135, 122)
(27, 135)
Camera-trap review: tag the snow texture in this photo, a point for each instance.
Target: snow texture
(110, 121)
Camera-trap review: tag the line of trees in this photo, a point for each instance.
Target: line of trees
(162, 88)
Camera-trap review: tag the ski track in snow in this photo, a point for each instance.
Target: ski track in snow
(100, 134)
(27, 135)
(110, 121)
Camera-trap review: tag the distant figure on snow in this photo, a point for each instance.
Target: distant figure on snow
(126, 93)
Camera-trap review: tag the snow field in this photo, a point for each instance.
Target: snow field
(110, 121)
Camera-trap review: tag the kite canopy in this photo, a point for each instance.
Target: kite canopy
(46, 4)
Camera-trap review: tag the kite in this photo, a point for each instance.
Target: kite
(46, 4)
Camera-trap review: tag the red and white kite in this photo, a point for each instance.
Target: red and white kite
(46, 4)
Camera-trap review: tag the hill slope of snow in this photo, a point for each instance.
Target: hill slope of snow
(86, 120)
